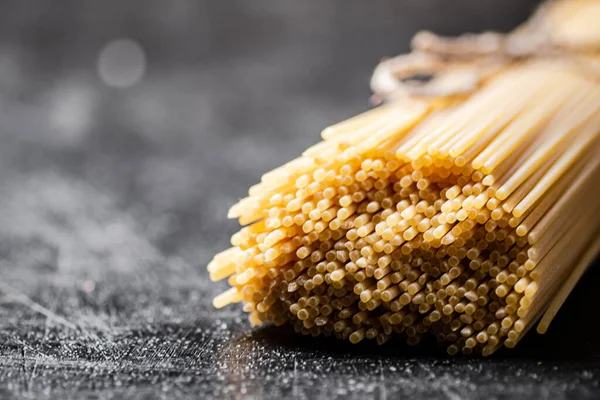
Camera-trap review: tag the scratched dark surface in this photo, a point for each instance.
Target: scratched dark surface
(113, 201)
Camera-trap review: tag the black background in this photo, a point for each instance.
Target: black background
(112, 202)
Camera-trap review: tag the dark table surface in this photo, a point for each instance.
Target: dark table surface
(113, 200)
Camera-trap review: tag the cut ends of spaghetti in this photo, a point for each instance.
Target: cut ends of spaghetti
(467, 217)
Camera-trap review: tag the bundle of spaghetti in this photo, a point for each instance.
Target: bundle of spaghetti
(466, 217)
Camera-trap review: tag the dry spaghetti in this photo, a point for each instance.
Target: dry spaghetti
(466, 215)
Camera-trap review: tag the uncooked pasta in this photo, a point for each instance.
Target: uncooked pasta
(464, 208)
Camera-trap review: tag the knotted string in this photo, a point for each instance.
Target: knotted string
(444, 66)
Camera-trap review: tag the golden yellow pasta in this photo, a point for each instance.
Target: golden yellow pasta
(465, 207)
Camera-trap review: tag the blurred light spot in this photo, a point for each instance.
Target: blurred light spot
(88, 286)
(121, 63)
